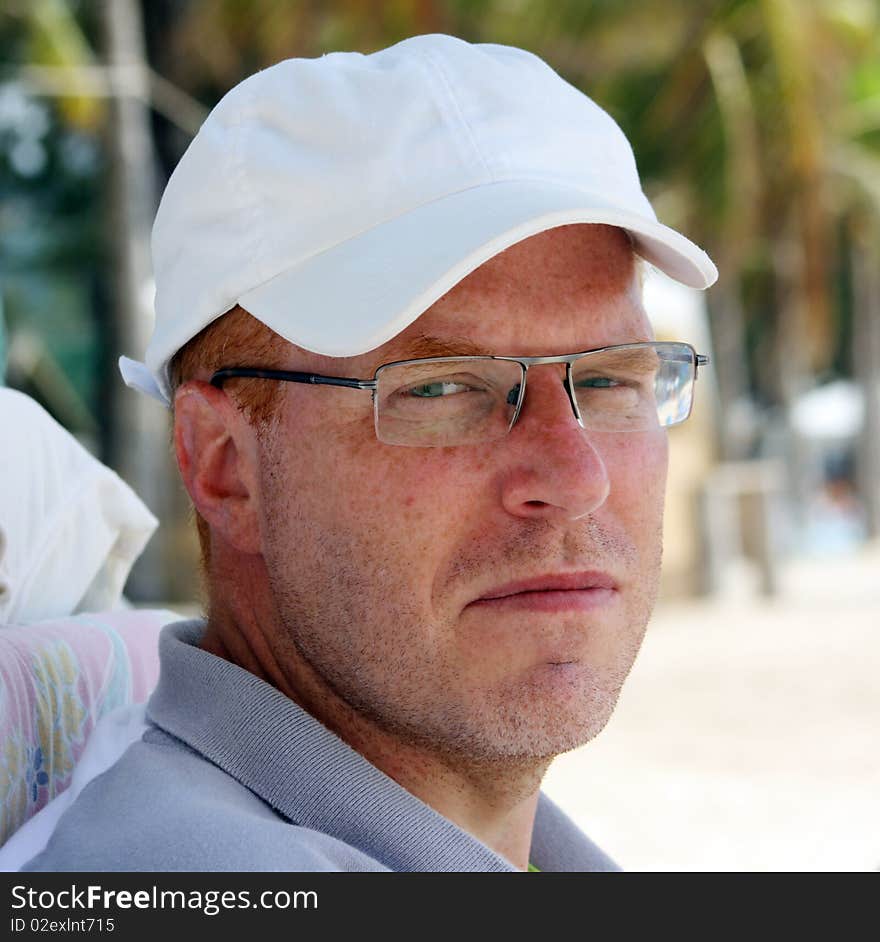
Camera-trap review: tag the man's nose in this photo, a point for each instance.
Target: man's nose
(557, 472)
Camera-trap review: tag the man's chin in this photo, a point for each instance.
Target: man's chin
(546, 745)
(550, 709)
(536, 737)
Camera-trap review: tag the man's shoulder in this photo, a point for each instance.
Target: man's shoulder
(163, 807)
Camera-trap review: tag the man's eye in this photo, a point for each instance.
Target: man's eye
(435, 390)
(598, 382)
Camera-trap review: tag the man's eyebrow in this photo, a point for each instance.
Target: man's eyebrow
(645, 359)
(428, 345)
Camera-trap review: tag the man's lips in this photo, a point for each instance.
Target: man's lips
(550, 582)
(552, 592)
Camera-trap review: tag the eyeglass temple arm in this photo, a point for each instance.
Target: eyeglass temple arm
(702, 360)
(290, 377)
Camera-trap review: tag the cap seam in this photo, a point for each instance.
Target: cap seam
(254, 203)
(453, 102)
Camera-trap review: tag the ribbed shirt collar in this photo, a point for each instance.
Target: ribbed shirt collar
(305, 772)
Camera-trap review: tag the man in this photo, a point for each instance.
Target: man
(426, 579)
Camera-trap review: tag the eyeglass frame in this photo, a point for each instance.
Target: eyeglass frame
(295, 376)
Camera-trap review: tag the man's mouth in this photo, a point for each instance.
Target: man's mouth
(552, 592)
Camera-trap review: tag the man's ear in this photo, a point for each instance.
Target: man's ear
(217, 455)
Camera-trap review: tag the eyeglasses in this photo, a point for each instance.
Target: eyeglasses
(442, 401)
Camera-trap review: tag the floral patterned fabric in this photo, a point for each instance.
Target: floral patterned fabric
(57, 679)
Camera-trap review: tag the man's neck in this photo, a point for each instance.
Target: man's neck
(495, 801)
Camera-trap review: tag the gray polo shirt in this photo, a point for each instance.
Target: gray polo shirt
(234, 776)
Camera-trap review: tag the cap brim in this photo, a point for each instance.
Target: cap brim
(359, 294)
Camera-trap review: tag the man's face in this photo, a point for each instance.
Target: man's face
(377, 554)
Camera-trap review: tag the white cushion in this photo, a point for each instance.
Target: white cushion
(70, 528)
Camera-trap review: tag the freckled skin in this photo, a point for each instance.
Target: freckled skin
(357, 603)
(374, 551)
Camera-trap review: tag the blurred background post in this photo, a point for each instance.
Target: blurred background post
(756, 125)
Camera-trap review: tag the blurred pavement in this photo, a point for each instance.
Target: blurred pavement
(748, 734)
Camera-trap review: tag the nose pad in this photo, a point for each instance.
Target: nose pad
(516, 397)
(569, 388)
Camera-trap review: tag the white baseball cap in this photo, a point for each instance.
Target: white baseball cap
(337, 198)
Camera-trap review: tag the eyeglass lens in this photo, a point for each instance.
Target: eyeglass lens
(465, 401)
